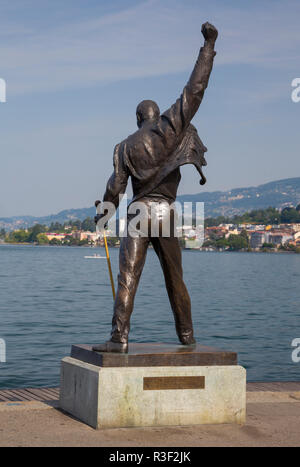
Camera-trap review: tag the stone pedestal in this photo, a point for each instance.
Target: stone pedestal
(153, 385)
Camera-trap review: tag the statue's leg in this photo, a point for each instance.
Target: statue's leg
(169, 253)
(133, 253)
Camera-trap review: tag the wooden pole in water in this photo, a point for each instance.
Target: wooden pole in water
(109, 266)
(98, 204)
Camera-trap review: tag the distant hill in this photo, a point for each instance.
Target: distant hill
(12, 223)
(278, 194)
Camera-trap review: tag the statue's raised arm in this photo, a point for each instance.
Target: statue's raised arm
(176, 119)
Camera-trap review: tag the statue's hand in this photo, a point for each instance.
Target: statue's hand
(209, 32)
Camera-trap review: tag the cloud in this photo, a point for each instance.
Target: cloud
(148, 39)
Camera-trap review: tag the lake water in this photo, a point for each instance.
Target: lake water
(52, 297)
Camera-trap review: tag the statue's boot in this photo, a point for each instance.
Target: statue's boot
(111, 346)
(188, 340)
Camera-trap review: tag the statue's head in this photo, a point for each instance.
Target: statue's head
(146, 110)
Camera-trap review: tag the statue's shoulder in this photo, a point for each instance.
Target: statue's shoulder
(119, 148)
(129, 141)
(122, 151)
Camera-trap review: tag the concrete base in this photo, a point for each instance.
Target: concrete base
(153, 396)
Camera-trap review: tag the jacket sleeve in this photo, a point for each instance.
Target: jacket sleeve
(117, 183)
(175, 120)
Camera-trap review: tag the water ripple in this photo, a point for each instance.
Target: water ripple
(51, 298)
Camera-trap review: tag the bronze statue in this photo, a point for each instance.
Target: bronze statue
(152, 158)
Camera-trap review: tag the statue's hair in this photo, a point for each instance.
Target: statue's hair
(147, 110)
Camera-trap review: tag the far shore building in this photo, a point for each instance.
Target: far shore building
(89, 236)
(232, 231)
(56, 235)
(217, 232)
(297, 236)
(294, 227)
(257, 239)
(280, 236)
(275, 236)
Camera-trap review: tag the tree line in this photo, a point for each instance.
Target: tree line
(289, 215)
(37, 233)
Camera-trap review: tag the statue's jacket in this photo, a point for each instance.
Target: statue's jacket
(154, 153)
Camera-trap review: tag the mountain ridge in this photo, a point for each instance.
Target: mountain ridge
(278, 194)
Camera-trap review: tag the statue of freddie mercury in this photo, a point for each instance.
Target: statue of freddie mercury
(152, 157)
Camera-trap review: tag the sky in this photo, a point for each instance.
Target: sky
(75, 71)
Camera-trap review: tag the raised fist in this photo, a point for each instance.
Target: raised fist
(209, 32)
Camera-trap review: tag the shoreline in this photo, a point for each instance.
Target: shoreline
(183, 249)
